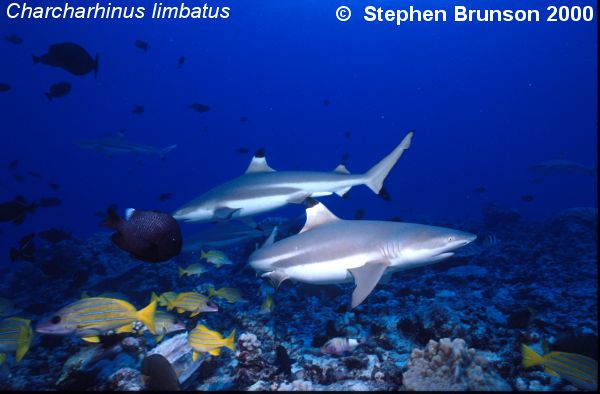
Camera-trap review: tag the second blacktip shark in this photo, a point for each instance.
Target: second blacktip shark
(329, 250)
(261, 189)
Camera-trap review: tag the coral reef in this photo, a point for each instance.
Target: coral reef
(450, 366)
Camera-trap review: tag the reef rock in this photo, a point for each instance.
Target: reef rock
(177, 351)
(450, 366)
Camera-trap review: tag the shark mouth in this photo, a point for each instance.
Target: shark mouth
(443, 255)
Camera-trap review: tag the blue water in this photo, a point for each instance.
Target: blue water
(487, 101)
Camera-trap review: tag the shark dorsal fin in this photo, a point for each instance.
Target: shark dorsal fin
(341, 169)
(259, 163)
(317, 214)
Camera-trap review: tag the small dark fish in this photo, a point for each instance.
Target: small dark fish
(244, 119)
(4, 87)
(347, 135)
(25, 249)
(14, 39)
(383, 193)
(59, 89)
(151, 236)
(181, 61)
(13, 165)
(35, 174)
(536, 180)
(54, 235)
(159, 374)
(54, 185)
(479, 189)
(70, 57)
(284, 362)
(359, 214)
(345, 156)
(142, 45)
(48, 202)
(164, 197)
(200, 107)
(326, 102)
(527, 198)
(138, 109)
(14, 211)
(242, 151)
(18, 178)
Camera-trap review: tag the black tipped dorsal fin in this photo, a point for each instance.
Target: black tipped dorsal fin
(259, 163)
(317, 214)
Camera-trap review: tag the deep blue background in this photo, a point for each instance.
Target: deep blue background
(487, 100)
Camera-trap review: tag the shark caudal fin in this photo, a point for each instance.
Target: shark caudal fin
(163, 152)
(376, 175)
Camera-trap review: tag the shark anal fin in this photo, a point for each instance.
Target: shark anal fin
(366, 278)
(298, 198)
(343, 191)
(275, 277)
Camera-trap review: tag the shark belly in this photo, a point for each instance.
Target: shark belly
(321, 273)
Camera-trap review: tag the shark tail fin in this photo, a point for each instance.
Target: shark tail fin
(376, 175)
(163, 152)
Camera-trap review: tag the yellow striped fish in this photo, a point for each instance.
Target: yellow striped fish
(215, 257)
(95, 316)
(580, 370)
(230, 294)
(203, 339)
(192, 269)
(192, 302)
(166, 323)
(15, 336)
(163, 299)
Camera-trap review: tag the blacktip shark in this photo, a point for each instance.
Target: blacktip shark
(262, 189)
(562, 166)
(330, 250)
(118, 144)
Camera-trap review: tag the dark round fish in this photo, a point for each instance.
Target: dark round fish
(326, 102)
(54, 185)
(244, 119)
(25, 250)
(284, 362)
(181, 61)
(14, 39)
(359, 214)
(164, 196)
(200, 107)
(242, 151)
(47, 202)
(527, 198)
(479, 189)
(4, 87)
(138, 109)
(142, 45)
(14, 211)
(13, 165)
(54, 235)
(150, 236)
(59, 89)
(70, 57)
(159, 373)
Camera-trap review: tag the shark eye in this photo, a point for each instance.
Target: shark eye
(55, 320)
(450, 239)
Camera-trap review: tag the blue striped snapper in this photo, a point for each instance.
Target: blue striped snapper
(580, 370)
(203, 339)
(191, 302)
(166, 323)
(15, 336)
(164, 298)
(95, 316)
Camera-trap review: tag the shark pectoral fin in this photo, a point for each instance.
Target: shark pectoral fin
(224, 213)
(316, 215)
(275, 277)
(366, 277)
